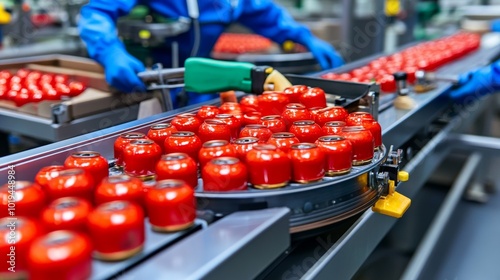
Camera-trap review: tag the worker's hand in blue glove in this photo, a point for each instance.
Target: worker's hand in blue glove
(495, 25)
(121, 70)
(324, 53)
(478, 83)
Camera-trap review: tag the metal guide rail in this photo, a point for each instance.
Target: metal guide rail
(398, 127)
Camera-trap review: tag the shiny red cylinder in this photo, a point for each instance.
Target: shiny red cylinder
(363, 144)
(275, 123)
(272, 103)
(120, 187)
(122, 141)
(183, 142)
(60, 255)
(90, 161)
(313, 97)
(71, 182)
(295, 112)
(306, 131)
(66, 213)
(172, 206)
(243, 146)
(224, 174)
(178, 166)
(45, 174)
(140, 158)
(356, 118)
(258, 131)
(16, 236)
(229, 107)
(207, 112)
(308, 162)
(249, 103)
(338, 154)
(315, 111)
(232, 122)
(333, 128)
(186, 122)
(117, 230)
(159, 132)
(283, 140)
(213, 129)
(252, 117)
(294, 92)
(330, 114)
(214, 149)
(376, 130)
(21, 198)
(268, 167)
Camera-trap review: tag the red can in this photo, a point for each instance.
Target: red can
(16, 236)
(45, 174)
(159, 132)
(67, 213)
(120, 187)
(313, 97)
(268, 167)
(117, 230)
(249, 103)
(275, 123)
(229, 107)
(362, 144)
(315, 111)
(376, 130)
(333, 128)
(123, 141)
(183, 142)
(178, 166)
(71, 182)
(21, 198)
(172, 206)
(306, 131)
(214, 149)
(272, 103)
(186, 122)
(258, 131)
(356, 118)
(338, 154)
(330, 114)
(308, 163)
(207, 112)
(232, 122)
(140, 158)
(224, 174)
(283, 140)
(252, 117)
(294, 92)
(90, 161)
(243, 146)
(61, 255)
(295, 112)
(213, 129)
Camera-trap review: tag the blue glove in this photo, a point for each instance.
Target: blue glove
(478, 83)
(324, 53)
(495, 25)
(121, 70)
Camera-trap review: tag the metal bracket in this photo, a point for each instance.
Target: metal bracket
(60, 113)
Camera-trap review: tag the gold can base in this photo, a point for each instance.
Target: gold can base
(332, 173)
(307, 181)
(118, 256)
(361, 162)
(270, 186)
(172, 228)
(142, 177)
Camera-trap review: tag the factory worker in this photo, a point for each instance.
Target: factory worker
(98, 29)
(479, 82)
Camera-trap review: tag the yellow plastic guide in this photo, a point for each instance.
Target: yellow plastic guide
(392, 8)
(394, 204)
(4, 16)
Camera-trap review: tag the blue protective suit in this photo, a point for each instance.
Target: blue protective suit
(98, 30)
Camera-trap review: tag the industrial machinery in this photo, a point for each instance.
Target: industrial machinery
(250, 233)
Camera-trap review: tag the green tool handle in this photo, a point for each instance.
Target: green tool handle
(205, 75)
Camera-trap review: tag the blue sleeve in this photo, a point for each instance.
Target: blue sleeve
(97, 26)
(495, 25)
(270, 20)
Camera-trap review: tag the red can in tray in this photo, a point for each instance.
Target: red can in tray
(268, 167)
(338, 154)
(178, 166)
(224, 174)
(308, 162)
